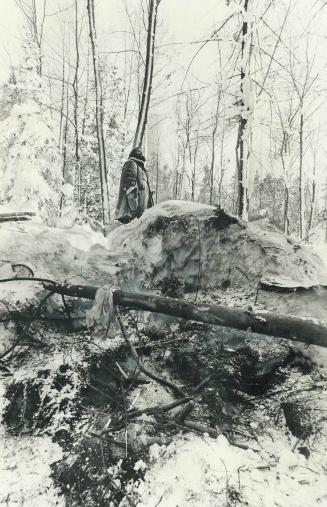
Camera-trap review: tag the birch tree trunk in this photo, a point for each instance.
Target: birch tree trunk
(148, 73)
(99, 117)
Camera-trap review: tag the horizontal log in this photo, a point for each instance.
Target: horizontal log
(14, 219)
(309, 331)
(19, 213)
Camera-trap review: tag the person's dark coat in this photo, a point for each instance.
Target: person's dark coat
(134, 195)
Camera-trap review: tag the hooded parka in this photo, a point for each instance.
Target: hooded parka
(134, 196)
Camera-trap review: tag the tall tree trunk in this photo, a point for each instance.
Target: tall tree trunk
(286, 189)
(60, 139)
(98, 115)
(86, 98)
(213, 152)
(301, 200)
(194, 167)
(313, 198)
(241, 145)
(64, 149)
(157, 174)
(76, 111)
(148, 73)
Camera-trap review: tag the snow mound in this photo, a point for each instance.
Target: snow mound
(200, 242)
(199, 246)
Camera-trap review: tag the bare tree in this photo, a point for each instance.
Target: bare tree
(242, 144)
(213, 147)
(99, 115)
(302, 86)
(76, 108)
(35, 22)
(195, 153)
(65, 175)
(188, 124)
(148, 72)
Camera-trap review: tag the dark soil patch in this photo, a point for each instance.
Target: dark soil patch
(89, 480)
(221, 220)
(161, 224)
(30, 410)
(298, 418)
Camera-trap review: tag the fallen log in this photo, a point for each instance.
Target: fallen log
(16, 217)
(309, 331)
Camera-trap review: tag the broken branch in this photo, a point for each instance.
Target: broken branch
(141, 366)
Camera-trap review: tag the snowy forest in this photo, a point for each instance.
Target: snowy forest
(163, 253)
(235, 118)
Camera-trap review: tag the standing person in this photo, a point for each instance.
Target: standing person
(134, 191)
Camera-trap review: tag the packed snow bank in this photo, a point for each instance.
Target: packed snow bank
(198, 471)
(199, 245)
(57, 253)
(321, 251)
(185, 238)
(188, 239)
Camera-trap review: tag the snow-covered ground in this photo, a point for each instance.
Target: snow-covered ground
(262, 467)
(25, 467)
(201, 471)
(321, 250)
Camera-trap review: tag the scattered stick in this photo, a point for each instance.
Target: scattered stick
(143, 368)
(184, 412)
(121, 371)
(157, 409)
(201, 428)
(19, 340)
(13, 346)
(202, 384)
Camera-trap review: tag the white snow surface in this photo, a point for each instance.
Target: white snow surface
(321, 251)
(200, 471)
(25, 468)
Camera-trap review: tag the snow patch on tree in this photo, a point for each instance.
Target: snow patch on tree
(30, 164)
